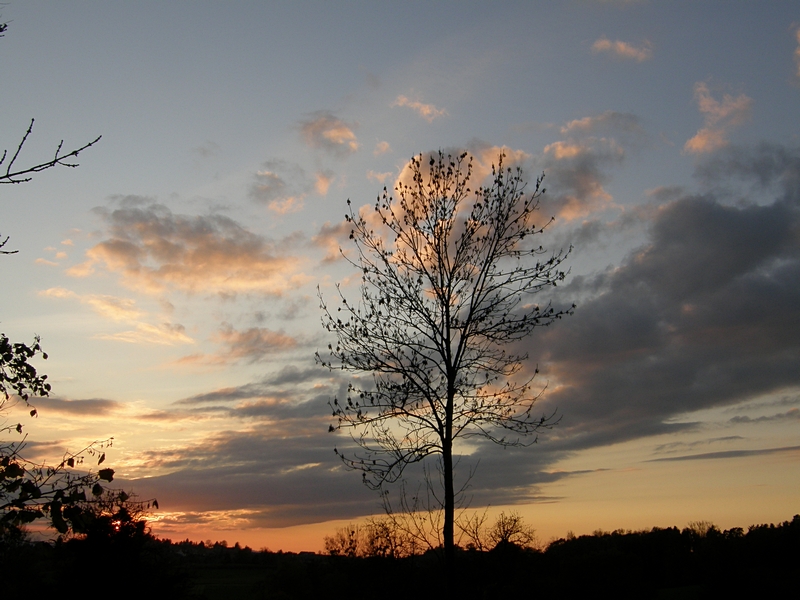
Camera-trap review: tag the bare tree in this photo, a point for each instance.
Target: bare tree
(15, 173)
(31, 490)
(510, 530)
(447, 278)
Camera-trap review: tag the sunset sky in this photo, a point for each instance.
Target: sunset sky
(173, 276)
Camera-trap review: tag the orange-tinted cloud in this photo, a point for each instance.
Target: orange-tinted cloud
(115, 308)
(153, 250)
(330, 238)
(281, 186)
(254, 343)
(379, 177)
(427, 111)
(607, 123)
(719, 117)
(167, 334)
(285, 206)
(575, 174)
(323, 182)
(327, 132)
(381, 148)
(110, 307)
(57, 255)
(623, 50)
(576, 167)
(483, 156)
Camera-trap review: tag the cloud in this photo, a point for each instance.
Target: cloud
(483, 156)
(379, 177)
(382, 148)
(607, 123)
(167, 334)
(118, 309)
(719, 118)
(267, 387)
(575, 176)
(427, 111)
(789, 415)
(285, 206)
(207, 149)
(44, 261)
(57, 254)
(327, 132)
(621, 3)
(728, 454)
(82, 408)
(270, 186)
(797, 53)
(703, 314)
(323, 182)
(478, 156)
(253, 344)
(280, 481)
(153, 250)
(677, 446)
(623, 50)
(330, 238)
(577, 167)
(112, 307)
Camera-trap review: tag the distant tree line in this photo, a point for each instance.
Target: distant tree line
(698, 561)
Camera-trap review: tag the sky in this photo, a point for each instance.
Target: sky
(173, 275)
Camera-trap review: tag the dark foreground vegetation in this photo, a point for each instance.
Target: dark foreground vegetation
(763, 561)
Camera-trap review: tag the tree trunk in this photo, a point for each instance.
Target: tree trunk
(449, 495)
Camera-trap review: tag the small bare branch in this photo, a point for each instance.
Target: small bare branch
(24, 174)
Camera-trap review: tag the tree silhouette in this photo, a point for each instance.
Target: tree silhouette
(15, 173)
(31, 490)
(447, 275)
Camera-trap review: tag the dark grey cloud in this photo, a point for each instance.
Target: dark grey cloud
(609, 123)
(770, 166)
(93, 407)
(279, 180)
(678, 446)
(270, 386)
(253, 344)
(291, 480)
(706, 313)
(783, 401)
(332, 237)
(207, 149)
(728, 454)
(789, 415)
(576, 171)
(578, 167)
